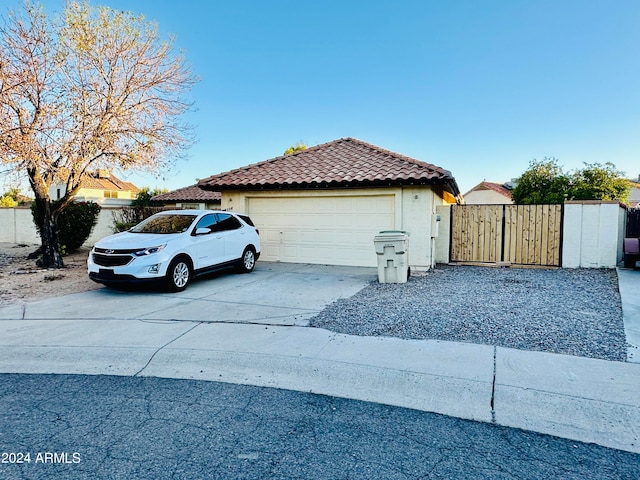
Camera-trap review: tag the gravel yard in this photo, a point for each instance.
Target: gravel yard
(574, 312)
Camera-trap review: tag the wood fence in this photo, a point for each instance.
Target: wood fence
(510, 234)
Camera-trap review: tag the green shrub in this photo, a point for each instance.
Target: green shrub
(127, 217)
(75, 223)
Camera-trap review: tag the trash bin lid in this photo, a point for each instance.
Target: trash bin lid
(387, 236)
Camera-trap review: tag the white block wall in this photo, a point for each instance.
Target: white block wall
(592, 234)
(16, 226)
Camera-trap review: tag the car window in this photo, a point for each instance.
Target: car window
(227, 222)
(164, 223)
(208, 221)
(247, 220)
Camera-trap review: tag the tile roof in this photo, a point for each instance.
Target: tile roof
(110, 182)
(188, 194)
(496, 187)
(340, 163)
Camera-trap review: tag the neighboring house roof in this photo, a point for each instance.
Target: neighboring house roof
(341, 163)
(496, 187)
(191, 193)
(22, 199)
(106, 181)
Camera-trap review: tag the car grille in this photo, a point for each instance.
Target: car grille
(111, 260)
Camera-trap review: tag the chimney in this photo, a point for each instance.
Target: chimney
(103, 173)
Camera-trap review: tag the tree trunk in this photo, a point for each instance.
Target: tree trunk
(51, 257)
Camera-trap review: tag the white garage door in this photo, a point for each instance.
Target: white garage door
(326, 230)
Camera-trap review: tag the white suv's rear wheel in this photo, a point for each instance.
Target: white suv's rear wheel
(248, 260)
(178, 274)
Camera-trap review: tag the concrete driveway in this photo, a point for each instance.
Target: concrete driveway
(273, 294)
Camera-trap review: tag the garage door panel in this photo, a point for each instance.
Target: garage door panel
(332, 230)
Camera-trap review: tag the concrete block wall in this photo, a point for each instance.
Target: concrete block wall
(16, 226)
(592, 234)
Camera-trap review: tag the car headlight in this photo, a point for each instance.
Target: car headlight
(149, 251)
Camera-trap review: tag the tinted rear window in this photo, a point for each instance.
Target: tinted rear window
(246, 220)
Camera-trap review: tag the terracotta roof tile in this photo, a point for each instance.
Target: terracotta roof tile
(343, 162)
(188, 194)
(94, 180)
(496, 187)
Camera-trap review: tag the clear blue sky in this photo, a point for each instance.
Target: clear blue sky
(478, 87)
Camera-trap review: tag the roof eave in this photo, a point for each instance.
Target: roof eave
(448, 183)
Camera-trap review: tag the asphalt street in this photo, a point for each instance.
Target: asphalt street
(111, 427)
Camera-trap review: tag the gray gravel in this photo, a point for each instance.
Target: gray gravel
(574, 312)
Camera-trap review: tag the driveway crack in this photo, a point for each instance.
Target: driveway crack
(493, 387)
(164, 346)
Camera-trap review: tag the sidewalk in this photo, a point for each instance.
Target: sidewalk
(572, 397)
(629, 284)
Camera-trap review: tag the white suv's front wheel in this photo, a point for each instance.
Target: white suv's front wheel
(178, 274)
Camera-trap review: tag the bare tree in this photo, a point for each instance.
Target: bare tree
(93, 88)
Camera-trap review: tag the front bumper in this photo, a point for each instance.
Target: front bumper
(108, 277)
(145, 269)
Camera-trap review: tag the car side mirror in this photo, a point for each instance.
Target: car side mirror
(203, 231)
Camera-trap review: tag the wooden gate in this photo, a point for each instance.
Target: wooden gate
(507, 234)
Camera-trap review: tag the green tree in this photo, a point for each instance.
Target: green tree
(599, 182)
(95, 88)
(145, 195)
(543, 182)
(298, 147)
(10, 199)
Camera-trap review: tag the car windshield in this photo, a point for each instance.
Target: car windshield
(164, 223)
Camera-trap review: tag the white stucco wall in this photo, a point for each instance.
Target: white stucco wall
(592, 234)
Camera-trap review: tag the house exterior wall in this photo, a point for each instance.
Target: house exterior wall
(486, 197)
(122, 198)
(414, 213)
(593, 234)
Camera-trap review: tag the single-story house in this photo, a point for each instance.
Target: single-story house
(190, 197)
(101, 187)
(489, 193)
(325, 204)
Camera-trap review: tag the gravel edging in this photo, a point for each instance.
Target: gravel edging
(568, 311)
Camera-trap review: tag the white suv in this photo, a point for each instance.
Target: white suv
(174, 246)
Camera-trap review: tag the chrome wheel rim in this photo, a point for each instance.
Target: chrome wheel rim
(249, 260)
(181, 275)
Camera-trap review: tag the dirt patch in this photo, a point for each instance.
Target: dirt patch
(21, 280)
